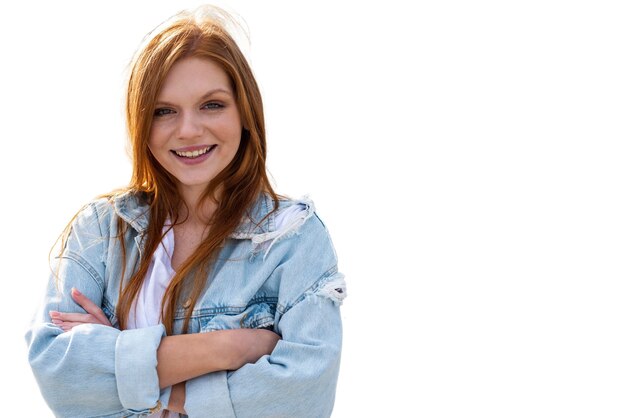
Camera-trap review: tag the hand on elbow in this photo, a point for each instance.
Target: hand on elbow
(68, 320)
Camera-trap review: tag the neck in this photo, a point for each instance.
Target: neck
(193, 212)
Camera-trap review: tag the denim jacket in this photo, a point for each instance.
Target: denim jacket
(286, 280)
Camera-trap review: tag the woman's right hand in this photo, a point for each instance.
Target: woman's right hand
(249, 345)
(66, 321)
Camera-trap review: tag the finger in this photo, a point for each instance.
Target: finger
(66, 326)
(89, 306)
(74, 317)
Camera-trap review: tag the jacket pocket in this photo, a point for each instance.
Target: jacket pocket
(257, 315)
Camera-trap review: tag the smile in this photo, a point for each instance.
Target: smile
(194, 153)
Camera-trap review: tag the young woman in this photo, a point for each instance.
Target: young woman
(196, 289)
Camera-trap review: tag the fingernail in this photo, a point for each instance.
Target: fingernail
(76, 292)
(53, 313)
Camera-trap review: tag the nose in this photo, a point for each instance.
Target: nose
(189, 126)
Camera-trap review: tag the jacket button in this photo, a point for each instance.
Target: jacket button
(187, 304)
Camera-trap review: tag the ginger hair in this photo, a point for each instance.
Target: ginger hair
(200, 33)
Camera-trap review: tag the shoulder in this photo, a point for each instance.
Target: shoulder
(131, 206)
(313, 256)
(269, 222)
(268, 217)
(306, 238)
(101, 214)
(299, 245)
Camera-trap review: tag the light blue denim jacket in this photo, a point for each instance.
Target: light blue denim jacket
(284, 279)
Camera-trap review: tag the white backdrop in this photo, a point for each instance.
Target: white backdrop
(467, 157)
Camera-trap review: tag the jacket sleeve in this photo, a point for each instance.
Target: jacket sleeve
(299, 378)
(93, 370)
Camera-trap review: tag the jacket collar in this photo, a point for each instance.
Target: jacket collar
(260, 219)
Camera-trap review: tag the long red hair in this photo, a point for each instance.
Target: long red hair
(200, 33)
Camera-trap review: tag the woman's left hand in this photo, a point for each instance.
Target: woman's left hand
(94, 315)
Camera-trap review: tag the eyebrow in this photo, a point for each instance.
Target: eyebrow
(202, 98)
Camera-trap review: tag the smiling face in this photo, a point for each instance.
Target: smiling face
(197, 127)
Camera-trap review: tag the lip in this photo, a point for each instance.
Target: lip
(197, 160)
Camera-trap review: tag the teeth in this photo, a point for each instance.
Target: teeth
(193, 154)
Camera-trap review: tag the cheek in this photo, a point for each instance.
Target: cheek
(236, 138)
(231, 129)
(230, 134)
(156, 145)
(158, 142)
(155, 138)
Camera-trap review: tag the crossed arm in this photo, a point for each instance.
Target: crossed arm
(183, 357)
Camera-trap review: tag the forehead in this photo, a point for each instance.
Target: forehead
(194, 76)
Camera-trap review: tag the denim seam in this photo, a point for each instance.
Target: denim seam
(95, 210)
(70, 255)
(228, 310)
(310, 290)
(265, 321)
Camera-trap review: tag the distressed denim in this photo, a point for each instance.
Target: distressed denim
(285, 280)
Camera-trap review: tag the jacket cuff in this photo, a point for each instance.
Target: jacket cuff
(135, 368)
(208, 395)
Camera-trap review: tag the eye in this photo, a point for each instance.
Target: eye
(162, 111)
(213, 106)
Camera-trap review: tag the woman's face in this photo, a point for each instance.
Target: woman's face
(197, 127)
